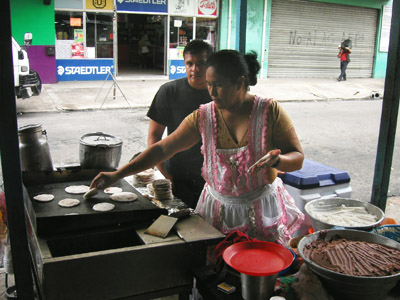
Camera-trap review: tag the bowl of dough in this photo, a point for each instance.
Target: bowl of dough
(352, 264)
(343, 213)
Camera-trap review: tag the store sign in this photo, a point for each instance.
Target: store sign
(77, 22)
(177, 69)
(84, 69)
(208, 7)
(181, 7)
(143, 5)
(99, 4)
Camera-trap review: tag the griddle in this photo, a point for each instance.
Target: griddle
(48, 218)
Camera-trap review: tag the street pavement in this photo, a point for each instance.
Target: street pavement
(138, 91)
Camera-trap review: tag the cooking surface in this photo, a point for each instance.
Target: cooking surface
(51, 218)
(45, 209)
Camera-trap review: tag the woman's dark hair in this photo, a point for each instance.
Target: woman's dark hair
(232, 65)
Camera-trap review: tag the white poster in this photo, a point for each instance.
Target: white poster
(181, 7)
(386, 24)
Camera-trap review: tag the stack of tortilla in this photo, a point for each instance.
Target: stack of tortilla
(162, 189)
(144, 178)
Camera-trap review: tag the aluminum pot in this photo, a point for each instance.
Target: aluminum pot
(99, 151)
(348, 287)
(34, 149)
(330, 203)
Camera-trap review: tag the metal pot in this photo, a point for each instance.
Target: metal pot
(99, 151)
(34, 149)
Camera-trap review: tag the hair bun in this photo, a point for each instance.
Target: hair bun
(254, 66)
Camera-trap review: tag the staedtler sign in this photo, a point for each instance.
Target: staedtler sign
(160, 6)
(84, 69)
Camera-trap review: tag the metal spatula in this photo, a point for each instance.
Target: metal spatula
(162, 226)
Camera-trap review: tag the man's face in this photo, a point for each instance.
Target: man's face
(195, 65)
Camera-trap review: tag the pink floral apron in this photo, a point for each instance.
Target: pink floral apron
(234, 200)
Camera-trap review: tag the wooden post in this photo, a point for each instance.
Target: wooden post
(10, 162)
(390, 109)
(241, 22)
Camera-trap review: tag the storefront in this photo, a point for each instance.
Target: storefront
(139, 37)
(305, 36)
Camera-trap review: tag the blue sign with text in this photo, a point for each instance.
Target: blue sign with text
(84, 69)
(177, 69)
(160, 6)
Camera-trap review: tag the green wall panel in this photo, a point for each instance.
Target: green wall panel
(255, 9)
(35, 17)
(364, 3)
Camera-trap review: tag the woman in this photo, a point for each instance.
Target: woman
(237, 129)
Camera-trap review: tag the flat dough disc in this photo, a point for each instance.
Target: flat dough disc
(68, 202)
(124, 197)
(44, 197)
(113, 190)
(77, 189)
(103, 206)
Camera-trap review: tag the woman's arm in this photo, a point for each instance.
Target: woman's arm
(291, 153)
(183, 138)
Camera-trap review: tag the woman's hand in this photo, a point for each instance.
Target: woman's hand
(269, 160)
(103, 180)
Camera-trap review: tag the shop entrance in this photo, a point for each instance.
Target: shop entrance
(141, 44)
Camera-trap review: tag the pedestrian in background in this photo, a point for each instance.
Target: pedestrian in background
(344, 55)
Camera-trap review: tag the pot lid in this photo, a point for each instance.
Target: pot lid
(100, 138)
(30, 128)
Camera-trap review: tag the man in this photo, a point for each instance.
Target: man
(172, 103)
(344, 55)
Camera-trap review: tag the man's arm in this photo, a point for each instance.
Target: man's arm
(155, 133)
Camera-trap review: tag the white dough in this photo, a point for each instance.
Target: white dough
(77, 189)
(113, 190)
(103, 206)
(124, 197)
(68, 202)
(44, 197)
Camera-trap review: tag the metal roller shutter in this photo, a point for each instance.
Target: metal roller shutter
(304, 39)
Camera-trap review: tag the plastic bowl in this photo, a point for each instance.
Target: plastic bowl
(389, 231)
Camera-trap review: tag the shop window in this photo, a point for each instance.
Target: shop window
(69, 35)
(206, 29)
(99, 35)
(181, 31)
(67, 22)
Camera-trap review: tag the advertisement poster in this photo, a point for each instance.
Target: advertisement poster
(177, 69)
(208, 7)
(85, 69)
(143, 5)
(99, 4)
(78, 50)
(78, 35)
(181, 7)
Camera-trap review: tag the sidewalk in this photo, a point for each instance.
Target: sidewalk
(139, 92)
